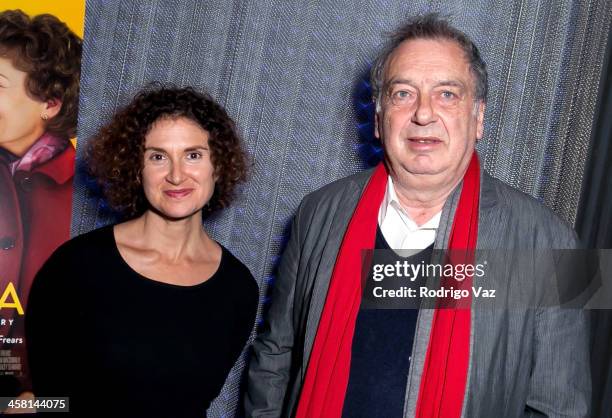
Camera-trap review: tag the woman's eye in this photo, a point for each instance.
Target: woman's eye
(194, 155)
(157, 157)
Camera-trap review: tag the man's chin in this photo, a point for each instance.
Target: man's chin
(423, 170)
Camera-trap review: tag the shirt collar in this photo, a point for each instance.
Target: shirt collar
(392, 201)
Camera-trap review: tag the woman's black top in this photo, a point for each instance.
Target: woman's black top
(120, 344)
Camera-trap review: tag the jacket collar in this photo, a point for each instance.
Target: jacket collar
(488, 200)
(488, 192)
(60, 168)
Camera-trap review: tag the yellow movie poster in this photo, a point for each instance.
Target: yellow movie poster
(40, 61)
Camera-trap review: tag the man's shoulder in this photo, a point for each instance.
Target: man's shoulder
(336, 191)
(526, 214)
(509, 198)
(332, 204)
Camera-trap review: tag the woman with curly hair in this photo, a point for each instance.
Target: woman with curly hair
(40, 60)
(155, 311)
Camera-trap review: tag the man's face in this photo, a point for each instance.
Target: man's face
(428, 121)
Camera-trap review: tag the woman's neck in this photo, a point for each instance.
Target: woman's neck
(175, 239)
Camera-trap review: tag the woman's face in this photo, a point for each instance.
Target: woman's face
(21, 123)
(178, 175)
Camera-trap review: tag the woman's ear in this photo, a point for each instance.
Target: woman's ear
(51, 108)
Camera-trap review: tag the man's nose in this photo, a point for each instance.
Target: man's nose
(424, 112)
(175, 174)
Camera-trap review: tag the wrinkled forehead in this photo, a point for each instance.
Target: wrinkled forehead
(425, 59)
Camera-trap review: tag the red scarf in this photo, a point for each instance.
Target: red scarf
(446, 363)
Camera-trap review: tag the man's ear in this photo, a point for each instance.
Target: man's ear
(480, 120)
(51, 108)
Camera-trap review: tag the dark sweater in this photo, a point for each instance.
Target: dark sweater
(119, 343)
(381, 350)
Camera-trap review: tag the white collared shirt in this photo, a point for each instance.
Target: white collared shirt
(399, 230)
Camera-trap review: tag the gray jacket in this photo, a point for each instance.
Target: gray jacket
(523, 362)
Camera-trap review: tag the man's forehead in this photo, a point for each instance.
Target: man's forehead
(430, 44)
(439, 59)
(435, 81)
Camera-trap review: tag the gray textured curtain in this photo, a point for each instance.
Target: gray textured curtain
(293, 76)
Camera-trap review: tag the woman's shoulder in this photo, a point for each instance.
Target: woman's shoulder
(240, 287)
(236, 272)
(67, 266)
(85, 244)
(81, 253)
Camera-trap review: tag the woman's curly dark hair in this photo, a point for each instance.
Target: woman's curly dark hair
(116, 153)
(50, 53)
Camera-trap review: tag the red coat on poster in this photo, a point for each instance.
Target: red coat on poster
(35, 209)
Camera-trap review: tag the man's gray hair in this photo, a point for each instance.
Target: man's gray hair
(429, 26)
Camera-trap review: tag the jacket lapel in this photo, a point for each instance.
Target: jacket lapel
(342, 216)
